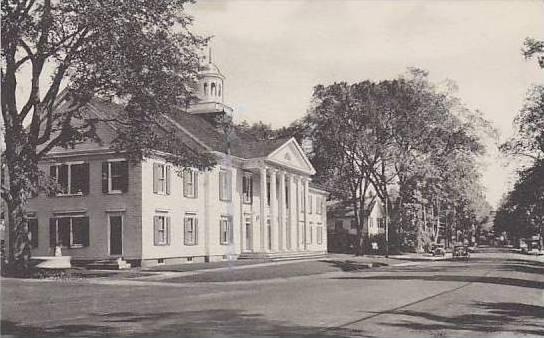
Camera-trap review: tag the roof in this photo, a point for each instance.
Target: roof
(194, 129)
(210, 69)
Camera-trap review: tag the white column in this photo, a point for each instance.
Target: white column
(273, 211)
(292, 213)
(262, 233)
(306, 218)
(282, 224)
(297, 239)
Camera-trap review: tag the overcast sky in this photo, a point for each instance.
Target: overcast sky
(273, 52)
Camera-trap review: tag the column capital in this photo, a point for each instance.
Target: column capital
(272, 170)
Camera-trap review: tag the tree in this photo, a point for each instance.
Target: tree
(391, 133)
(140, 53)
(521, 212)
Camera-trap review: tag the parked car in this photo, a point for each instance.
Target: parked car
(530, 246)
(461, 252)
(438, 249)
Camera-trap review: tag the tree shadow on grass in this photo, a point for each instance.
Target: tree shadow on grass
(515, 318)
(457, 278)
(207, 323)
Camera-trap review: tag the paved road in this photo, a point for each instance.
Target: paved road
(495, 294)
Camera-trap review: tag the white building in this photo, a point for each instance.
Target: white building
(258, 200)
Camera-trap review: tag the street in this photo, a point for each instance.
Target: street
(493, 294)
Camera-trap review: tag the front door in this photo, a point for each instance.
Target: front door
(116, 235)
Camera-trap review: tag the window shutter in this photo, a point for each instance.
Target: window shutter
(85, 231)
(221, 179)
(105, 177)
(167, 232)
(185, 230)
(195, 231)
(52, 232)
(229, 185)
(195, 183)
(156, 230)
(85, 178)
(155, 178)
(53, 175)
(167, 179)
(124, 173)
(33, 231)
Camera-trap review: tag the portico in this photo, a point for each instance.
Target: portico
(283, 220)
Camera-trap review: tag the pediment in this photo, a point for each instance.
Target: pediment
(291, 155)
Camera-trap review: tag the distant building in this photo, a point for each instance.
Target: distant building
(342, 225)
(258, 201)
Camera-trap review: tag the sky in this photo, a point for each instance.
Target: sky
(274, 52)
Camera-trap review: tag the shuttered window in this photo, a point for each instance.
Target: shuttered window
(69, 231)
(225, 230)
(71, 178)
(225, 185)
(115, 176)
(161, 178)
(247, 188)
(190, 233)
(190, 183)
(161, 229)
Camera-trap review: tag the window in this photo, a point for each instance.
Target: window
(161, 178)
(310, 203)
(319, 234)
(318, 205)
(212, 90)
(219, 90)
(115, 176)
(225, 230)
(247, 188)
(69, 231)
(190, 224)
(205, 89)
(225, 179)
(311, 233)
(190, 183)
(370, 222)
(381, 223)
(161, 227)
(72, 178)
(33, 231)
(353, 224)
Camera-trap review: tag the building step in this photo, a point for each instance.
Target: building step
(108, 264)
(283, 256)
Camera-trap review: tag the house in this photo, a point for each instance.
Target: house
(258, 201)
(342, 225)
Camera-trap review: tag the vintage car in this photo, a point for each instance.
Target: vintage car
(530, 246)
(461, 252)
(438, 249)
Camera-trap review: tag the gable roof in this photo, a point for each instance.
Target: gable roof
(194, 129)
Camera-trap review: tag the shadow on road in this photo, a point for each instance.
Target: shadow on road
(349, 265)
(515, 318)
(208, 323)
